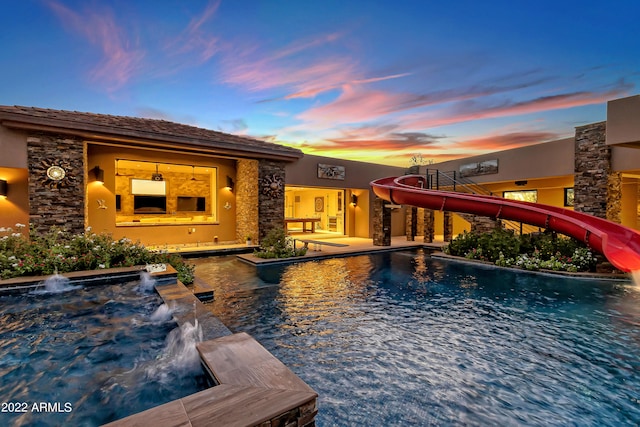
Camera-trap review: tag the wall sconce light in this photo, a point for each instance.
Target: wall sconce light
(98, 174)
(354, 200)
(3, 188)
(229, 183)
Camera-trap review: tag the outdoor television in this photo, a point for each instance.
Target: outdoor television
(149, 204)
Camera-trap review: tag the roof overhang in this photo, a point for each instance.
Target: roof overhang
(135, 138)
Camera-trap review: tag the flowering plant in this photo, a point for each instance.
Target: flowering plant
(32, 253)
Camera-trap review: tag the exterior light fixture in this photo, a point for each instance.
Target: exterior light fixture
(229, 183)
(157, 176)
(98, 174)
(3, 188)
(354, 200)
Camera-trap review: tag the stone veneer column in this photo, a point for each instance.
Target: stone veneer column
(270, 203)
(597, 190)
(447, 226)
(411, 226)
(246, 189)
(49, 205)
(429, 226)
(381, 223)
(614, 197)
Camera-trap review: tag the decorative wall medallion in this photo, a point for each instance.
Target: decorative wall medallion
(55, 173)
(227, 206)
(272, 185)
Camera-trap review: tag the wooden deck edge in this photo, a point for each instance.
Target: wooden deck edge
(228, 405)
(232, 405)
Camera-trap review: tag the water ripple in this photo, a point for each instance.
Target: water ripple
(405, 340)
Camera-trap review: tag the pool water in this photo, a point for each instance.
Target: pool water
(91, 355)
(403, 339)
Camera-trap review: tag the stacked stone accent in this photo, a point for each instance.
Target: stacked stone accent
(49, 206)
(480, 224)
(429, 225)
(614, 199)
(246, 189)
(597, 191)
(448, 226)
(411, 225)
(270, 208)
(381, 223)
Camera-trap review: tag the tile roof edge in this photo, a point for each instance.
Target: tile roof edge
(46, 116)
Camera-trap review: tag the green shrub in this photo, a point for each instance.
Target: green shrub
(462, 245)
(537, 251)
(277, 244)
(38, 254)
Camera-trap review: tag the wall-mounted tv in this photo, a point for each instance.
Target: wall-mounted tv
(192, 204)
(149, 204)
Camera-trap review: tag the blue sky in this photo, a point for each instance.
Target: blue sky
(374, 81)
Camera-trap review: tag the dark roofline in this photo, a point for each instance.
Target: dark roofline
(142, 132)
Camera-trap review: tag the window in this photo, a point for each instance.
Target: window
(152, 193)
(568, 196)
(522, 195)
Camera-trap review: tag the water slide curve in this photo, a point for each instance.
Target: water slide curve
(619, 244)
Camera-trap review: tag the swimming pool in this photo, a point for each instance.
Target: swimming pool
(403, 339)
(88, 356)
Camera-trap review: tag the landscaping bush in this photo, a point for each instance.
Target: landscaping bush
(485, 247)
(462, 245)
(59, 251)
(537, 251)
(277, 244)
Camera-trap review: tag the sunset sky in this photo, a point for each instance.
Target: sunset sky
(378, 81)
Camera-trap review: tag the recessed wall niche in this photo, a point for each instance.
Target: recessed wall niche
(177, 193)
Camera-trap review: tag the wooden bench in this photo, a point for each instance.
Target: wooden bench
(317, 244)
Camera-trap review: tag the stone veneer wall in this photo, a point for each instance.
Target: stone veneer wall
(411, 225)
(597, 190)
(50, 206)
(270, 208)
(429, 225)
(480, 224)
(246, 190)
(381, 223)
(447, 226)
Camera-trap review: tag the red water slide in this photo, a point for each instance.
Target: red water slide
(619, 244)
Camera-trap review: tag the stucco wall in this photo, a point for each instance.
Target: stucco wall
(13, 146)
(544, 160)
(623, 121)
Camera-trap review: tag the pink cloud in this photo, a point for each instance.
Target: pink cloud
(499, 142)
(359, 103)
(256, 70)
(300, 69)
(194, 38)
(356, 104)
(471, 110)
(121, 61)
